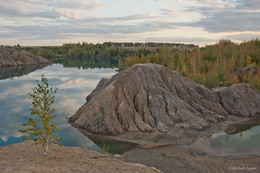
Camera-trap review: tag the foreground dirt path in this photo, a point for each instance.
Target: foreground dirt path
(27, 157)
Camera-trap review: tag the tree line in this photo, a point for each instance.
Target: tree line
(82, 55)
(152, 45)
(79, 51)
(222, 64)
(107, 50)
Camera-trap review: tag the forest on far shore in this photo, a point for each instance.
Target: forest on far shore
(216, 65)
(222, 64)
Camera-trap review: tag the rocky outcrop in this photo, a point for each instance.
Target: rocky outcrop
(12, 57)
(150, 98)
(240, 100)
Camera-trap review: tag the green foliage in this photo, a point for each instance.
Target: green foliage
(83, 55)
(214, 65)
(39, 126)
(80, 51)
(20, 57)
(105, 148)
(256, 82)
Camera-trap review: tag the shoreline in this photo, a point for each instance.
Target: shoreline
(169, 154)
(186, 137)
(234, 127)
(165, 157)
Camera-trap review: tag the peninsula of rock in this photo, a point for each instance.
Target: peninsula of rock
(11, 56)
(153, 99)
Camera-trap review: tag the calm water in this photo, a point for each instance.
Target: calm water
(74, 85)
(221, 143)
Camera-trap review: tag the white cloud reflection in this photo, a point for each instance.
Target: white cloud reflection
(246, 142)
(74, 85)
(78, 82)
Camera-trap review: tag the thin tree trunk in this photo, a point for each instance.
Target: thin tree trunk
(46, 148)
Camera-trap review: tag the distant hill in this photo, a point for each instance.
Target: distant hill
(13, 56)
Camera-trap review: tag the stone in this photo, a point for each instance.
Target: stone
(13, 57)
(150, 98)
(240, 100)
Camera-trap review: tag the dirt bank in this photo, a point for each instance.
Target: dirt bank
(27, 157)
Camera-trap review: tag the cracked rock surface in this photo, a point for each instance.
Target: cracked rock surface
(150, 98)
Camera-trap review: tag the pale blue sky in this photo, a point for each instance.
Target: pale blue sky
(53, 22)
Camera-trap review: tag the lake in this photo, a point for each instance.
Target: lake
(244, 142)
(74, 85)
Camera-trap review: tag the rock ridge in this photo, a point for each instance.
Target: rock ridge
(150, 98)
(15, 57)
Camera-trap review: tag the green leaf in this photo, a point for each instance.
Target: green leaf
(39, 125)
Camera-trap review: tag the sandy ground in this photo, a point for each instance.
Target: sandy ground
(26, 157)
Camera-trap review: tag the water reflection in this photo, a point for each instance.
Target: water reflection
(72, 137)
(16, 71)
(87, 62)
(74, 85)
(242, 126)
(113, 147)
(222, 144)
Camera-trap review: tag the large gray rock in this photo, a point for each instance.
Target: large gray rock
(152, 98)
(240, 100)
(13, 57)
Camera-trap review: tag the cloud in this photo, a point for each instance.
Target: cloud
(230, 21)
(26, 9)
(227, 16)
(249, 4)
(47, 9)
(244, 36)
(102, 26)
(79, 4)
(83, 20)
(184, 39)
(69, 14)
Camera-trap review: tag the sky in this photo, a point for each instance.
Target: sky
(200, 22)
